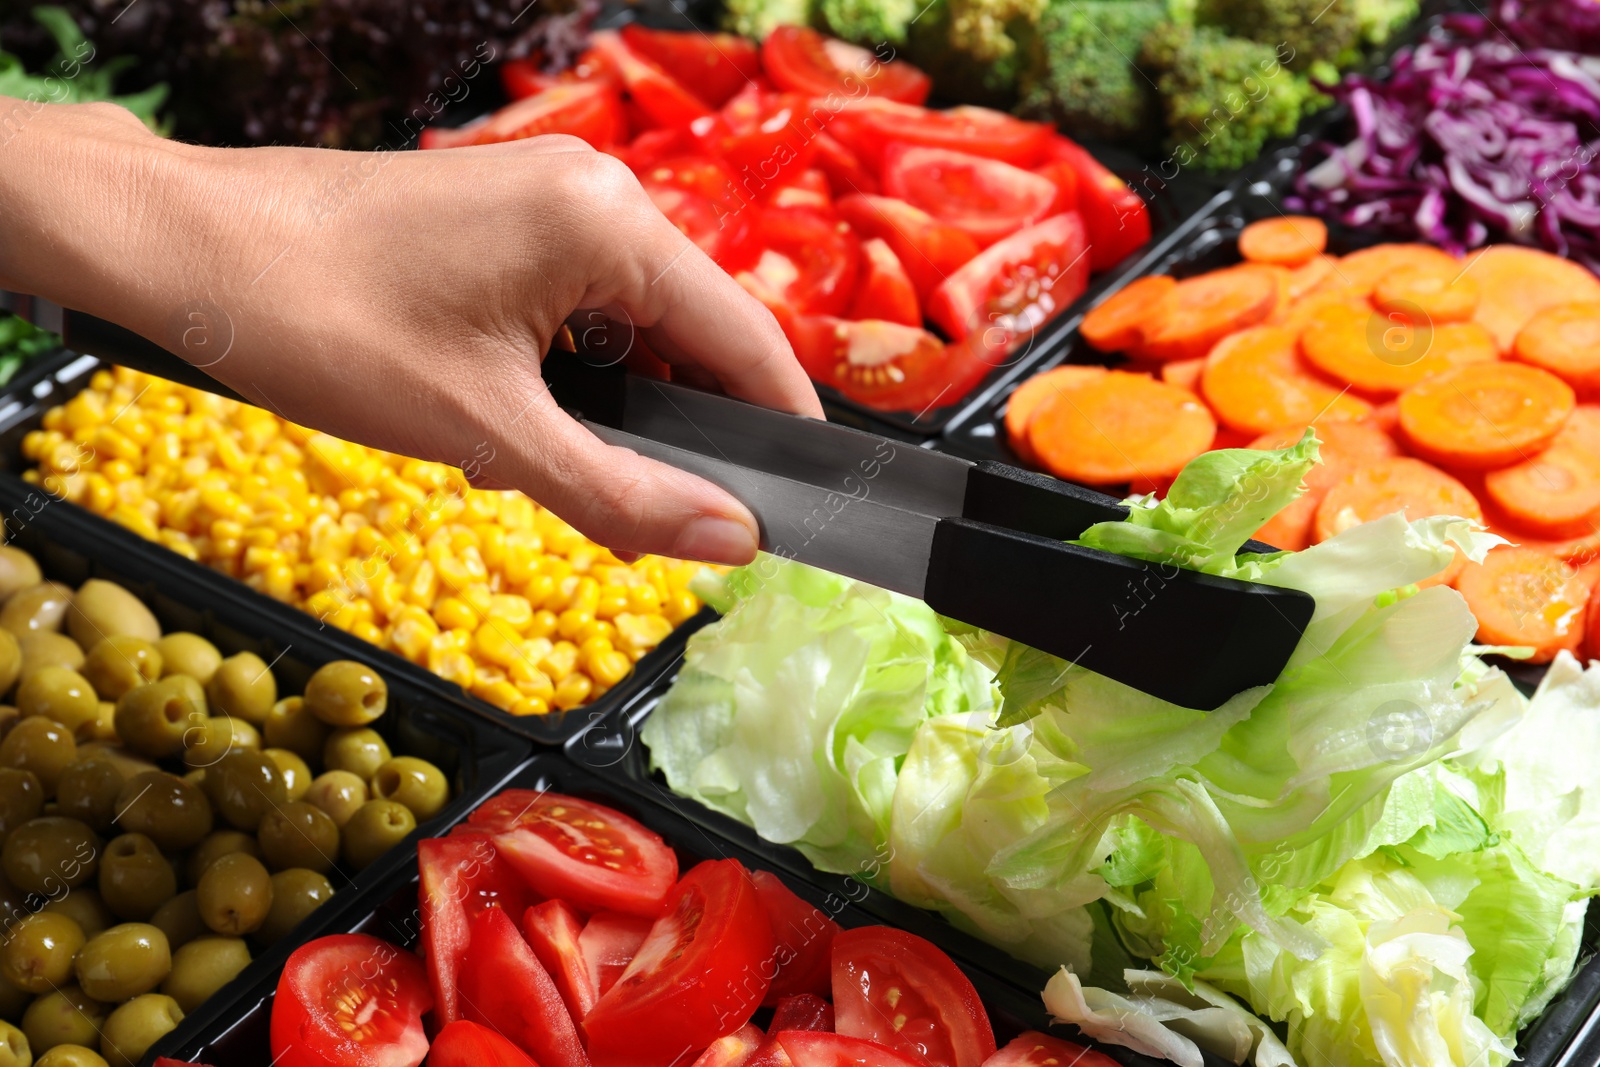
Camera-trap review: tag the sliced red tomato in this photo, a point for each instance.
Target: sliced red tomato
(655, 92)
(589, 110)
(592, 857)
(884, 290)
(522, 78)
(808, 259)
(899, 989)
(1116, 217)
(732, 1051)
(804, 1011)
(460, 876)
(713, 66)
(883, 365)
(762, 138)
(697, 194)
(1065, 178)
(807, 1048)
(846, 174)
(552, 930)
(984, 197)
(653, 146)
(609, 942)
(804, 939)
(506, 989)
(809, 189)
(466, 1044)
(1012, 288)
(350, 999)
(697, 977)
(869, 125)
(804, 61)
(928, 249)
(1033, 1049)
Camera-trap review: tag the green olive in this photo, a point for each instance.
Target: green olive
(102, 609)
(339, 793)
(14, 1050)
(191, 654)
(9, 715)
(71, 1056)
(208, 741)
(123, 962)
(346, 693)
(10, 661)
(64, 1016)
(291, 725)
(14, 905)
(235, 895)
(244, 786)
(42, 746)
(17, 571)
(21, 798)
(84, 907)
(39, 953)
(118, 663)
(135, 878)
(171, 812)
(46, 648)
(38, 607)
(50, 855)
(243, 687)
(375, 828)
(153, 719)
(360, 750)
(62, 694)
(196, 777)
(104, 727)
(217, 844)
(296, 893)
(202, 967)
(416, 783)
(179, 918)
(88, 792)
(13, 1001)
(299, 835)
(135, 1026)
(127, 762)
(296, 774)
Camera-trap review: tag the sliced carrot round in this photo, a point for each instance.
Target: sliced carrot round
(1184, 373)
(1298, 315)
(1198, 312)
(1517, 283)
(1385, 486)
(1522, 596)
(1384, 353)
(1288, 241)
(1364, 269)
(1255, 382)
(1564, 340)
(1437, 292)
(1310, 276)
(1344, 446)
(1281, 278)
(1118, 428)
(1116, 323)
(1024, 403)
(1485, 415)
(1557, 492)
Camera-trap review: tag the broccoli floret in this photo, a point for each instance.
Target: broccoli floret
(757, 18)
(974, 49)
(1224, 97)
(1378, 20)
(1085, 74)
(869, 22)
(1303, 31)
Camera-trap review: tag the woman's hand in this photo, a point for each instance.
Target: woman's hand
(402, 299)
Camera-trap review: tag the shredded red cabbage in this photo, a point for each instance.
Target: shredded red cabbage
(1487, 130)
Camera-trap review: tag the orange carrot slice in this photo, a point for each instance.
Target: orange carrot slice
(1564, 340)
(1117, 321)
(1282, 278)
(1484, 415)
(1557, 492)
(1024, 402)
(1522, 596)
(1184, 373)
(1120, 427)
(1386, 353)
(1344, 447)
(1517, 283)
(1402, 484)
(1288, 241)
(1310, 276)
(1201, 311)
(1435, 292)
(1364, 269)
(1255, 382)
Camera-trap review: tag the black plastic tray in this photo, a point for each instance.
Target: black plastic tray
(53, 380)
(1566, 1035)
(475, 754)
(390, 911)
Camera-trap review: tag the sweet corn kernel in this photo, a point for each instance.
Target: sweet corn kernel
(453, 613)
(572, 690)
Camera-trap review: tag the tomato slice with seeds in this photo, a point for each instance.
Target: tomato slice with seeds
(1115, 216)
(655, 92)
(1033, 1049)
(884, 290)
(467, 1044)
(899, 990)
(609, 942)
(713, 66)
(808, 258)
(350, 999)
(460, 876)
(594, 858)
(762, 137)
(883, 365)
(928, 249)
(696, 193)
(552, 930)
(846, 174)
(871, 124)
(804, 61)
(803, 935)
(1017, 285)
(588, 110)
(734, 1050)
(808, 1048)
(983, 197)
(509, 991)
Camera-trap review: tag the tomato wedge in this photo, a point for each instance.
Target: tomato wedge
(523, 78)
(983, 197)
(871, 124)
(804, 1011)
(592, 857)
(808, 189)
(1033, 1049)
(713, 66)
(507, 990)
(609, 942)
(804, 939)
(807, 1048)
(884, 290)
(761, 137)
(808, 259)
(804, 61)
(883, 365)
(589, 110)
(928, 249)
(697, 977)
(696, 193)
(1116, 217)
(1065, 178)
(898, 989)
(350, 999)
(846, 174)
(1014, 287)
(647, 86)
(552, 930)
(466, 1044)
(460, 876)
(733, 1050)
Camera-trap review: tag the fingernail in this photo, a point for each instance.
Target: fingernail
(712, 539)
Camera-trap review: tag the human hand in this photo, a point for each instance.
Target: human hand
(403, 300)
